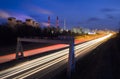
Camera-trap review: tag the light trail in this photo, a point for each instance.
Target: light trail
(31, 67)
(31, 52)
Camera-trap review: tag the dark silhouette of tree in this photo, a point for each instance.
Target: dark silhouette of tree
(9, 35)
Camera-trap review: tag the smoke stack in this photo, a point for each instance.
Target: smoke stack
(57, 22)
(64, 24)
(48, 21)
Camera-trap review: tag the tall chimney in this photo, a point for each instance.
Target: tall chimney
(64, 24)
(57, 22)
(48, 21)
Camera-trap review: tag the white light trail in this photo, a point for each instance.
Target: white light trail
(49, 60)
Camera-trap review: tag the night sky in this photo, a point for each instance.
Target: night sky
(92, 14)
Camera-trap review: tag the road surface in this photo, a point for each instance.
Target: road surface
(56, 59)
(10, 57)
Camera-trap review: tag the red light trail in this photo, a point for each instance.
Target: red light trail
(36, 51)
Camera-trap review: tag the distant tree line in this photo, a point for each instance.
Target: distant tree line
(8, 35)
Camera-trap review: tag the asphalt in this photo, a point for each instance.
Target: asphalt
(101, 63)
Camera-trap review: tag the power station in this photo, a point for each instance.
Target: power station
(49, 21)
(30, 22)
(57, 22)
(12, 22)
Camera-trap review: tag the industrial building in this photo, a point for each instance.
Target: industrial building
(19, 22)
(12, 21)
(29, 22)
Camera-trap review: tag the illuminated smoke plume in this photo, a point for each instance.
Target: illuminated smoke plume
(39, 10)
(19, 16)
(22, 17)
(4, 14)
(45, 24)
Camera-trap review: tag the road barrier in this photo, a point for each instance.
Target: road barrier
(67, 40)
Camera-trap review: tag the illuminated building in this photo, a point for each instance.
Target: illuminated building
(77, 30)
(35, 24)
(12, 21)
(29, 22)
(18, 22)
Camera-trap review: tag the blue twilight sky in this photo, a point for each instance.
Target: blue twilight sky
(83, 13)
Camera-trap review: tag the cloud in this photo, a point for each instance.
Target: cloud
(19, 16)
(110, 16)
(40, 10)
(119, 23)
(92, 19)
(4, 14)
(80, 23)
(45, 24)
(108, 10)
